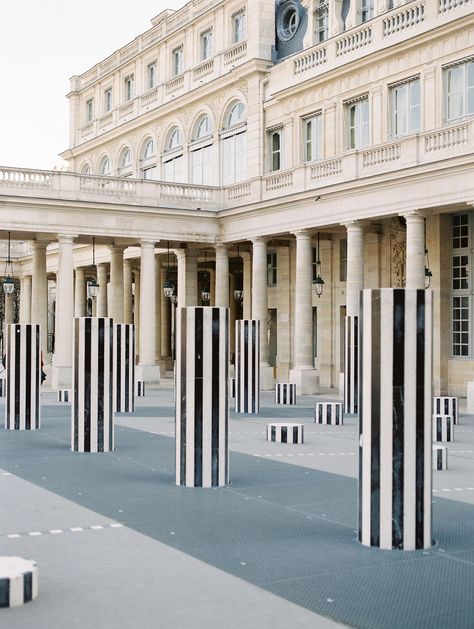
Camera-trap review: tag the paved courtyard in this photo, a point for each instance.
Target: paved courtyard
(119, 545)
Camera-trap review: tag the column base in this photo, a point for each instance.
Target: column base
(267, 379)
(61, 377)
(306, 380)
(148, 373)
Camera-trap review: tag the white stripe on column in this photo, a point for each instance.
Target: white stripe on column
(365, 419)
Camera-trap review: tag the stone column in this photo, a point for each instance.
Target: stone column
(127, 292)
(80, 293)
(101, 300)
(9, 310)
(247, 284)
(415, 250)
(25, 300)
(116, 284)
(303, 373)
(136, 312)
(260, 307)
(354, 284)
(158, 297)
(39, 292)
(187, 278)
(222, 276)
(147, 370)
(165, 319)
(62, 363)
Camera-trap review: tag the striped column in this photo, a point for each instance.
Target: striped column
(247, 366)
(202, 411)
(446, 406)
(285, 393)
(3, 387)
(351, 365)
(440, 457)
(92, 428)
(395, 421)
(23, 362)
(124, 367)
(443, 428)
(285, 433)
(18, 581)
(64, 395)
(328, 413)
(140, 388)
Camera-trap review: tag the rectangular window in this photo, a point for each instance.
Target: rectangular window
(460, 326)
(275, 150)
(460, 286)
(89, 109)
(128, 87)
(366, 10)
(313, 138)
(321, 21)
(406, 108)
(177, 60)
(108, 99)
(343, 260)
(151, 75)
(234, 158)
(238, 27)
(206, 45)
(459, 90)
(271, 268)
(201, 166)
(358, 123)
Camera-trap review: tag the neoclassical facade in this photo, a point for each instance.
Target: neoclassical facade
(289, 153)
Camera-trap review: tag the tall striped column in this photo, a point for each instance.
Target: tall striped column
(92, 428)
(247, 366)
(124, 367)
(23, 362)
(395, 422)
(351, 365)
(202, 411)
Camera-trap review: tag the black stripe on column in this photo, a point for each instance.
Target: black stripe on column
(17, 332)
(27, 374)
(246, 365)
(226, 374)
(284, 436)
(360, 363)
(182, 377)
(348, 375)
(398, 415)
(37, 374)
(420, 416)
(27, 587)
(198, 384)
(109, 382)
(100, 384)
(87, 340)
(75, 401)
(216, 360)
(355, 378)
(118, 383)
(375, 422)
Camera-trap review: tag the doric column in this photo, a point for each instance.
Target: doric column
(62, 365)
(187, 277)
(25, 300)
(39, 292)
(222, 276)
(415, 271)
(102, 295)
(116, 283)
(127, 292)
(260, 307)
(303, 373)
(147, 369)
(80, 293)
(247, 284)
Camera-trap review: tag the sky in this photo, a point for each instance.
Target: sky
(42, 44)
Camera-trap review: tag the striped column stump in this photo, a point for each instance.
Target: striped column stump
(446, 406)
(64, 395)
(140, 388)
(395, 419)
(443, 428)
(285, 433)
(23, 361)
(440, 457)
(285, 393)
(3, 387)
(232, 388)
(329, 413)
(92, 425)
(18, 581)
(351, 365)
(247, 366)
(124, 367)
(202, 387)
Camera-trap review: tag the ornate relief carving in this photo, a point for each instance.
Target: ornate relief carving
(398, 253)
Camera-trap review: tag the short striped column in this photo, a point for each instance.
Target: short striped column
(443, 428)
(351, 365)
(232, 388)
(3, 387)
(92, 425)
(440, 457)
(124, 367)
(23, 361)
(64, 395)
(140, 388)
(285, 393)
(247, 366)
(202, 410)
(283, 432)
(445, 405)
(395, 425)
(18, 581)
(330, 413)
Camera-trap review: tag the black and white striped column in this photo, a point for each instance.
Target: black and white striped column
(18, 581)
(124, 367)
(351, 365)
(443, 428)
(64, 395)
(282, 432)
(445, 405)
(92, 427)
(395, 418)
(202, 410)
(247, 366)
(3, 387)
(23, 362)
(328, 413)
(285, 393)
(140, 388)
(440, 457)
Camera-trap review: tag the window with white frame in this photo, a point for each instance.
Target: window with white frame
(105, 167)
(234, 145)
(358, 123)
(108, 99)
(148, 165)
(128, 87)
(459, 90)
(177, 60)
(201, 152)
(321, 21)
(89, 109)
(274, 149)
(271, 268)
(125, 163)
(313, 137)
(366, 10)
(238, 27)
(86, 169)
(461, 285)
(405, 100)
(206, 44)
(151, 75)
(173, 165)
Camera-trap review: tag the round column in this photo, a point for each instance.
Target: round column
(9, 310)
(147, 370)
(25, 300)
(64, 315)
(116, 283)
(80, 293)
(415, 271)
(39, 292)
(259, 294)
(222, 276)
(127, 292)
(355, 266)
(136, 311)
(101, 307)
(303, 327)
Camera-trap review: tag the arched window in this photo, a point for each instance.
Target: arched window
(86, 169)
(105, 167)
(125, 163)
(149, 169)
(174, 139)
(201, 152)
(173, 161)
(234, 144)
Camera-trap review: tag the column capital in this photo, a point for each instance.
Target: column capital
(66, 239)
(259, 240)
(117, 248)
(302, 234)
(414, 216)
(355, 225)
(39, 244)
(221, 247)
(147, 244)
